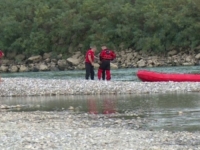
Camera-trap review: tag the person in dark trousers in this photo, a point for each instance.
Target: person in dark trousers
(1, 56)
(89, 63)
(106, 56)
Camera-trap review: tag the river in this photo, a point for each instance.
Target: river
(173, 112)
(117, 75)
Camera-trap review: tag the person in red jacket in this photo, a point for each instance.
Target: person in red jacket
(1, 55)
(106, 56)
(89, 63)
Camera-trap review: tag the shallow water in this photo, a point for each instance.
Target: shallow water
(173, 112)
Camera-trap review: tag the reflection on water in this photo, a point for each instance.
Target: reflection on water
(108, 106)
(175, 112)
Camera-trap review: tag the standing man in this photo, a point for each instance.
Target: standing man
(89, 63)
(1, 55)
(106, 56)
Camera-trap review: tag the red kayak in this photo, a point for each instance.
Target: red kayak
(152, 76)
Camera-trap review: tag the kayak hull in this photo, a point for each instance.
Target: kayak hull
(152, 76)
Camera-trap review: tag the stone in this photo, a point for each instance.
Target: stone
(188, 58)
(35, 59)
(197, 56)
(73, 61)
(77, 55)
(187, 64)
(47, 60)
(43, 67)
(96, 65)
(141, 63)
(173, 52)
(4, 68)
(13, 68)
(62, 64)
(23, 68)
(81, 66)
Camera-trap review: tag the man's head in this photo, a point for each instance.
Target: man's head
(103, 47)
(94, 48)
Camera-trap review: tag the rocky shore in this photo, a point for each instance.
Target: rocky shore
(67, 130)
(129, 58)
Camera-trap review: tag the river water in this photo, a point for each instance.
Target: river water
(173, 112)
(120, 74)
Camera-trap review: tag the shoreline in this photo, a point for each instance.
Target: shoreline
(64, 130)
(16, 87)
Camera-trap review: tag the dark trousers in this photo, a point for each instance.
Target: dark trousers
(89, 71)
(104, 69)
(103, 74)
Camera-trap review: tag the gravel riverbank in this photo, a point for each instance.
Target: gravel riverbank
(37, 87)
(65, 131)
(68, 131)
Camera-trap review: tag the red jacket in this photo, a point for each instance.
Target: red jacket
(89, 53)
(107, 54)
(1, 54)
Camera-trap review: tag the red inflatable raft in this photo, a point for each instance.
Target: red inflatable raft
(151, 76)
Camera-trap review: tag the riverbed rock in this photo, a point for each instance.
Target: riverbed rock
(187, 64)
(77, 55)
(43, 67)
(172, 52)
(53, 67)
(34, 59)
(96, 65)
(113, 66)
(73, 61)
(188, 58)
(13, 69)
(141, 63)
(4, 68)
(197, 56)
(62, 64)
(23, 68)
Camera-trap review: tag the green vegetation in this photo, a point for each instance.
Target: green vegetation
(35, 27)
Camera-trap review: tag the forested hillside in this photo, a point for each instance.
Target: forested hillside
(35, 27)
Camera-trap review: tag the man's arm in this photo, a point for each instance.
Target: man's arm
(90, 59)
